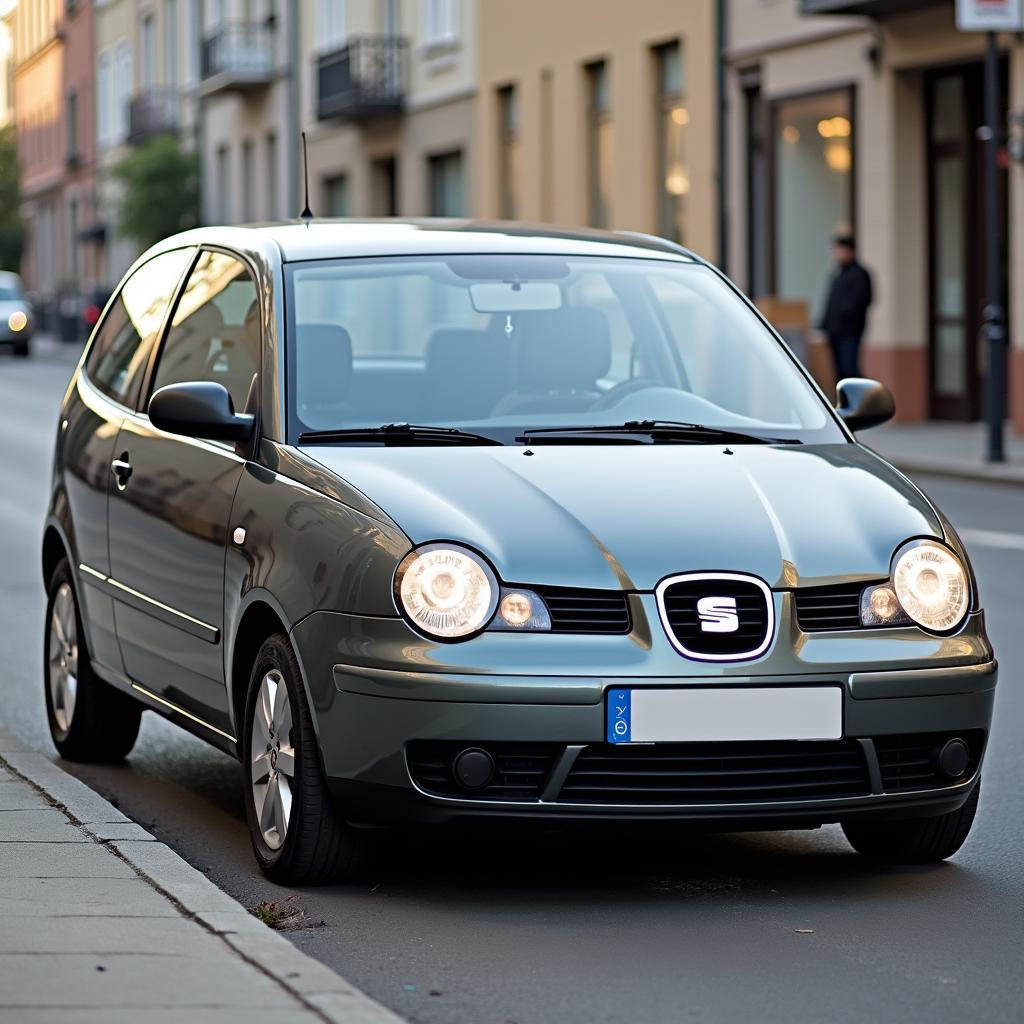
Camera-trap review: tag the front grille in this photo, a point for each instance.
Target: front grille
(586, 611)
(701, 631)
(909, 762)
(819, 609)
(522, 769)
(716, 773)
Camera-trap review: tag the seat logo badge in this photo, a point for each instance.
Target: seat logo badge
(718, 615)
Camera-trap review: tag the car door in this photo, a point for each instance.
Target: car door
(169, 507)
(105, 391)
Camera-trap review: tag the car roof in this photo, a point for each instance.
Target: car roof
(330, 238)
(8, 277)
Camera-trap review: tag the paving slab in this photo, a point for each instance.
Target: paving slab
(153, 1015)
(138, 980)
(61, 860)
(17, 796)
(38, 825)
(173, 936)
(74, 897)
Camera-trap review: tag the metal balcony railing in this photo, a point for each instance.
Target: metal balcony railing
(152, 113)
(363, 80)
(238, 55)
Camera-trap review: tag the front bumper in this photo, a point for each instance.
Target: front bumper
(383, 700)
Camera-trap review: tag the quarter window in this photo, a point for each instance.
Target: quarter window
(215, 330)
(125, 337)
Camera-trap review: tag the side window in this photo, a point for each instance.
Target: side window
(124, 339)
(215, 330)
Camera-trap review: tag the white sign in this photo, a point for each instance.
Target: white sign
(990, 15)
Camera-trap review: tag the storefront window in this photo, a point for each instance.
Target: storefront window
(673, 116)
(813, 183)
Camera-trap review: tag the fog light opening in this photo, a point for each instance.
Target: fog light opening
(473, 768)
(952, 758)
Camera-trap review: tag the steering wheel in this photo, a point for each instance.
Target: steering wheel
(616, 394)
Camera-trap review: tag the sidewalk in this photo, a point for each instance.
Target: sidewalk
(102, 923)
(946, 449)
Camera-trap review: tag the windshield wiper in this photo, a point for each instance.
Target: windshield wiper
(659, 432)
(396, 434)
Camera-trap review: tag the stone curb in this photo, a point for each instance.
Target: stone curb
(325, 993)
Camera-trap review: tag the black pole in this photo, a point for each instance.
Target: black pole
(722, 88)
(994, 315)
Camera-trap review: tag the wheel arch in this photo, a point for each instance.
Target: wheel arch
(54, 548)
(260, 617)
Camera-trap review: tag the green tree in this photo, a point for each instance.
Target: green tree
(12, 231)
(160, 196)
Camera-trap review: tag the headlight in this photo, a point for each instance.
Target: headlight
(446, 591)
(17, 321)
(931, 585)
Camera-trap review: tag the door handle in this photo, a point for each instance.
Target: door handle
(122, 470)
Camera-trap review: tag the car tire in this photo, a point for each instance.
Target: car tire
(317, 845)
(89, 719)
(915, 840)
(22, 349)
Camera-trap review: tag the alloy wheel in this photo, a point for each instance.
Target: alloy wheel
(273, 759)
(63, 654)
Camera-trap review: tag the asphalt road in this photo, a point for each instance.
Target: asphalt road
(643, 926)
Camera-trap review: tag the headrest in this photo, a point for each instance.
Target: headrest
(323, 359)
(562, 348)
(206, 322)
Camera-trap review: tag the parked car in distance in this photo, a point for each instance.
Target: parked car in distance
(17, 322)
(459, 522)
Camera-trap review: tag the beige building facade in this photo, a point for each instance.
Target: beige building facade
(600, 114)
(388, 107)
(867, 121)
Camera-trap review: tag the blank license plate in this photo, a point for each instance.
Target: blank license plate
(695, 715)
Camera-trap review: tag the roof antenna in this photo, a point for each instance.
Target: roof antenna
(307, 214)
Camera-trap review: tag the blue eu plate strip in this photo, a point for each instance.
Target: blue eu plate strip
(619, 705)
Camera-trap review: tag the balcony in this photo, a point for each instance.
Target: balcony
(151, 114)
(871, 8)
(238, 57)
(364, 80)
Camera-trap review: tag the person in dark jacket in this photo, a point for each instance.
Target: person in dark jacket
(846, 308)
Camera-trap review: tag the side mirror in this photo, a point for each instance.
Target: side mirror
(864, 403)
(199, 409)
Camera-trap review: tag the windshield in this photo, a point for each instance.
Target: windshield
(499, 345)
(9, 293)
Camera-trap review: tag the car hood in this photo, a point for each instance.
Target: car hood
(628, 516)
(9, 306)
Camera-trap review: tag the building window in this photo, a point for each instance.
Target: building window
(104, 100)
(440, 22)
(223, 198)
(384, 187)
(673, 116)
(171, 43)
(73, 239)
(509, 154)
(813, 190)
(147, 51)
(122, 89)
(599, 145)
(446, 185)
(248, 184)
(336, 196)
(271, 164)
(331, 25)
(71, 120)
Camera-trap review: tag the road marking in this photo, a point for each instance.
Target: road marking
(994, 539)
